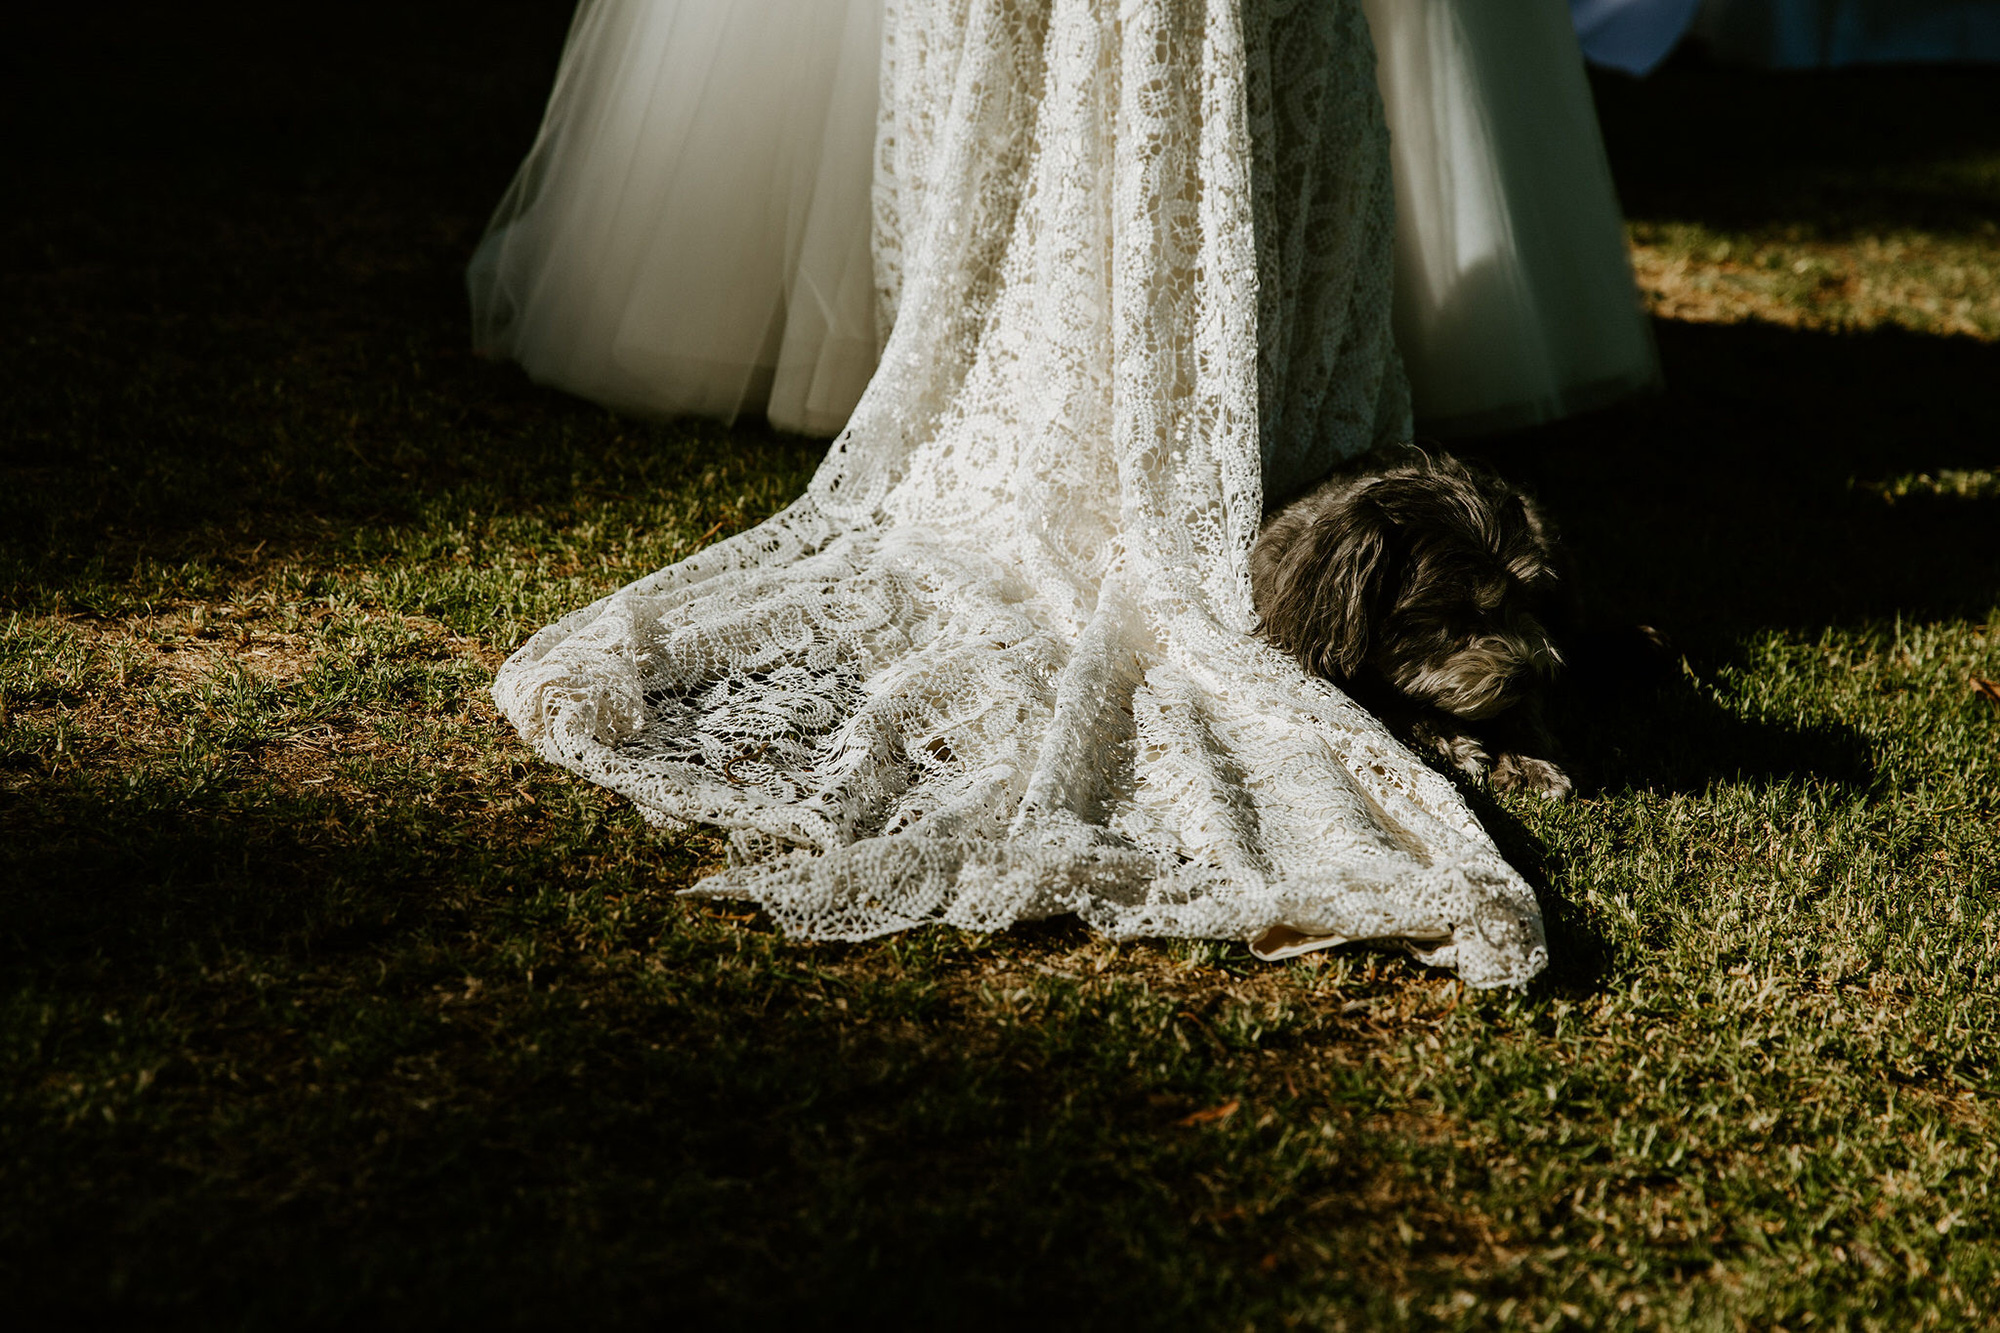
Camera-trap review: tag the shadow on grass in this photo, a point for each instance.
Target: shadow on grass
(1663, 739)
(1826, 153)
(1740, 502)
(240, 297)
(370, 1116)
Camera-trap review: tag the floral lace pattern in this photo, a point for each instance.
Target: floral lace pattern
(998, 663)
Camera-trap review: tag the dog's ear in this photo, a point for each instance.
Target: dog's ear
(1317, 578)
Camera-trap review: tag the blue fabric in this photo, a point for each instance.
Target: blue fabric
(1632, 35)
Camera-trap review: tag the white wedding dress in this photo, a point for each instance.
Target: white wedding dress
(1132, 265)
(691, 230)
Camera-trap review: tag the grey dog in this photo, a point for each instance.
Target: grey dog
(1432, 592)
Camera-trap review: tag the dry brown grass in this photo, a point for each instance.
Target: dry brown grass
(1691, 274)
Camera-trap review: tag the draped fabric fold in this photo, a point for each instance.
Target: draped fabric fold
(689, 232)
(998, 663)
(1515, 301)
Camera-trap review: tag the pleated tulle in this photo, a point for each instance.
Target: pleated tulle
(690, 232)
(1515, 302)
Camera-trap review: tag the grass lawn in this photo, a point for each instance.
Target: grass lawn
(321, 1000)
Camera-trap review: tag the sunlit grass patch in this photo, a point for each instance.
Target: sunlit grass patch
(1946, 484)
(1931, 284)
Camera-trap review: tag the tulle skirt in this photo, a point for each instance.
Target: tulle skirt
(1515, 301)
(691, 231)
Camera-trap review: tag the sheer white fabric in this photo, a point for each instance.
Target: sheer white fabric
(997, 664)
(1515, 302)
(690, 232)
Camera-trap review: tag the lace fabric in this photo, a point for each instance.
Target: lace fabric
(1133, 263)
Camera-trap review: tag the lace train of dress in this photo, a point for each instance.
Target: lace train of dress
(997, 663)
(690, 231)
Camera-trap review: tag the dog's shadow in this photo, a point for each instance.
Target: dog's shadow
(1660, 731)
(1635, 715)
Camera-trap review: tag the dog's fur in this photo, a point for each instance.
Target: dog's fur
(1432, 592)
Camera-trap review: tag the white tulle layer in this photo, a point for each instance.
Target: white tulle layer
(690, 232)
(998, 662)
(1515, 302)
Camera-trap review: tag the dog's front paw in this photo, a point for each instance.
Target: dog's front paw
(1461, 751)
(1519, 772)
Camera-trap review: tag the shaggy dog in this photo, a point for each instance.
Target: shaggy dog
(1430, 591)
